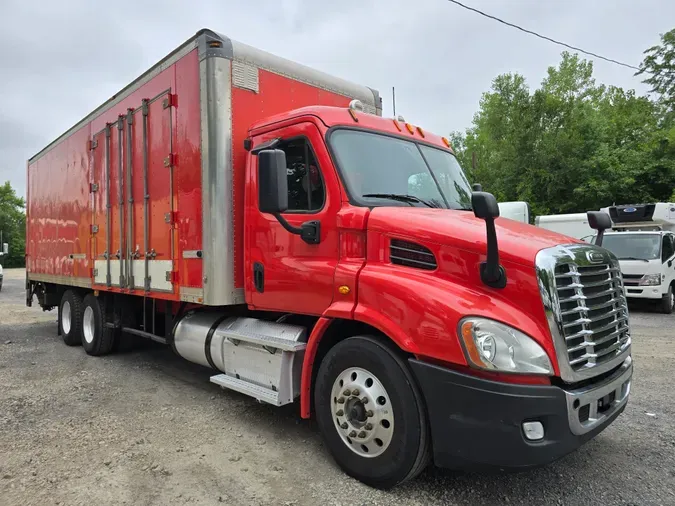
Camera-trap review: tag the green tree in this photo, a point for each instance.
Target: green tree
(571, 145)
(13, 226)
(659, 66)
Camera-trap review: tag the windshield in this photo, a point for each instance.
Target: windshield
(382, 170)
(633, 246)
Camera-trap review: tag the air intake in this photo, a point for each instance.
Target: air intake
(411, 254)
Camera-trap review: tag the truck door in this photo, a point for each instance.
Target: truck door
(668, 258)
(284, 272)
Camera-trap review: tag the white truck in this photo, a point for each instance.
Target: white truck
(643, 239)
(574, 225)
(4, 251)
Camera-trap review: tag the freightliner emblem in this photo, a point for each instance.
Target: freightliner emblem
(595, 257)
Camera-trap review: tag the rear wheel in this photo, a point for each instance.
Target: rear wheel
(71, 317)
(668, 301)
(370, 413)
(97, 338)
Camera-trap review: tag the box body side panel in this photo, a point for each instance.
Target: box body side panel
(59, 213)
(116, 204)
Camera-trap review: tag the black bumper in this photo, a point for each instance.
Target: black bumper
(477, 423)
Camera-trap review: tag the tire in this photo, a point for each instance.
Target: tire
(397, 442)
(668, 301)
(70, 321)
(97, 339)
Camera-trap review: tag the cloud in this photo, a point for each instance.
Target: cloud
(60, 60)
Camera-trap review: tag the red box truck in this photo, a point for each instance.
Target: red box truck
(264, 220)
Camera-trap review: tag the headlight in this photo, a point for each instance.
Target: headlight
(650, 280)
(494, 346)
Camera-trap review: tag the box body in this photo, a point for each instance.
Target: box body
(145, 195)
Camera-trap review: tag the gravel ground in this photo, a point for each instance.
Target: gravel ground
(146, 427)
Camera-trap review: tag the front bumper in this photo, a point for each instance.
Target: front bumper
(477, 423)
(644, 292)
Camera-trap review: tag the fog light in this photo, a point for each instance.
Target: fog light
(534, 431)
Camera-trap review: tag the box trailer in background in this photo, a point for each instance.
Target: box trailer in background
(263, 220)
(517, 211)
(573, 225)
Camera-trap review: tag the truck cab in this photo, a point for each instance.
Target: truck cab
(370, 220)
(643, 240)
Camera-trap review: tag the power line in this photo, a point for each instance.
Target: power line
(543, 36)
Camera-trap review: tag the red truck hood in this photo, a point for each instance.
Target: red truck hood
(518, 242)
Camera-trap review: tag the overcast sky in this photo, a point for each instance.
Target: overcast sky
(59, 60)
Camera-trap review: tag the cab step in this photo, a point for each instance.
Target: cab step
(259, 393)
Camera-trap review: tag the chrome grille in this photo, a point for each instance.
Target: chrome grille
(586, 309)
(593, 311)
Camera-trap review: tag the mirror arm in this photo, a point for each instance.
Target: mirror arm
(599, 237)
(491, 273)
(290, 228)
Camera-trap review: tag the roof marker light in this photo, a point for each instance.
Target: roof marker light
(398, 127)
(410, 128)
(446, 142)
(420, 131)
(356, 105)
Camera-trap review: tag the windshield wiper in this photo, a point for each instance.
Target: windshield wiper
(633, 258)
(401, 198)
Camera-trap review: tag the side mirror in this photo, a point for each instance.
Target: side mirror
(272, 182)
(486, 208)
(484, 205)
(273, 193)
(477, 187)
(599, 221)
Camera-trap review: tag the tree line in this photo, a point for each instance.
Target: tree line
(572, 144)
(13, 226)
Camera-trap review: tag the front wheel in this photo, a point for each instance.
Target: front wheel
(370, 413)
(668, 301)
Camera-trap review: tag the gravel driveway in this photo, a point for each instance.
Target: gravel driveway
(147, 427)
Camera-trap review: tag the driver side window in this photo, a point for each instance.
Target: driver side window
(306, 193)
(668, 249)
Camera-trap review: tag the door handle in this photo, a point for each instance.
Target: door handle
(259, 276)
(311, 232)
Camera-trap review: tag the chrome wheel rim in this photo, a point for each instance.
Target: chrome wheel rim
(66, 318)
(672, 298)
(88, 324)
(362, 412)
